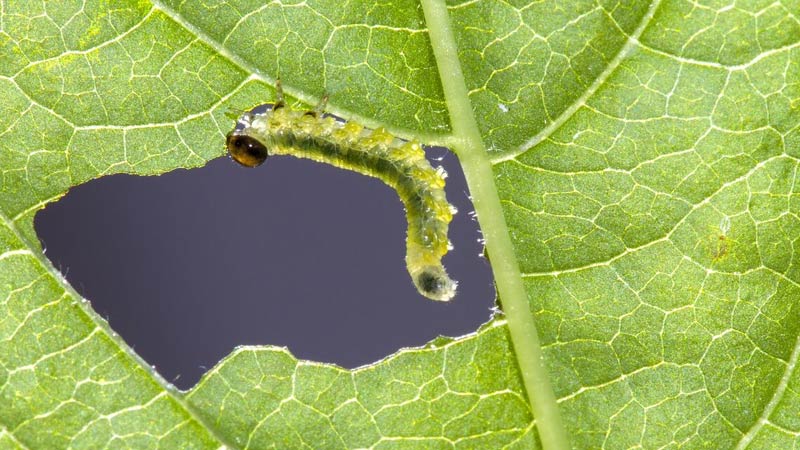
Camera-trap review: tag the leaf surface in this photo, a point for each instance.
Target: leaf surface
(646, 158)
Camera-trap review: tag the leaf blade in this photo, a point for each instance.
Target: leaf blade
(659, 320)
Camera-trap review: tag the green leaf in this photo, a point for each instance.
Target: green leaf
(644, 154)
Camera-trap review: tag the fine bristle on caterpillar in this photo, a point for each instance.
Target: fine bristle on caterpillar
(398, 163)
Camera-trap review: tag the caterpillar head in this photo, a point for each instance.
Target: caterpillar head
(245, 150)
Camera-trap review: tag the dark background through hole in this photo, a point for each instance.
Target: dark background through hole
(190, 264)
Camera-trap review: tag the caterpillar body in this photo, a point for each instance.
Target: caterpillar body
(377, 153)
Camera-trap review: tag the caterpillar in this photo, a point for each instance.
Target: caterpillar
(373, 152)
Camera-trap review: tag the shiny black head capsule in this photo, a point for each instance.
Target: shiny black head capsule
(246, 150)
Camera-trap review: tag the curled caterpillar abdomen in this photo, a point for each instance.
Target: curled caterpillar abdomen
(400, 164)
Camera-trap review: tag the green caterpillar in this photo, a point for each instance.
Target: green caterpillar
(400, 164)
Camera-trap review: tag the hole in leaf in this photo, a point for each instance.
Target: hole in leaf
(190, 264)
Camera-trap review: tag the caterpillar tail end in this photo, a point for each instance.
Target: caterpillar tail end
(434, 283)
